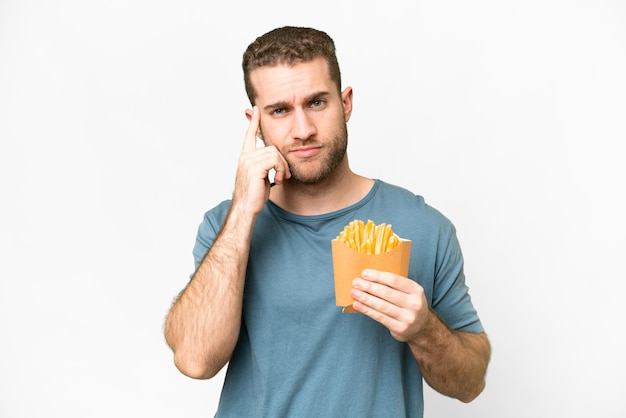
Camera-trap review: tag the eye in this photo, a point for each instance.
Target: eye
(317, 103)
(278, 112)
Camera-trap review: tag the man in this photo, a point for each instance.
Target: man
(262, 296)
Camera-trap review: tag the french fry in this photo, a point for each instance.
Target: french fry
(369, 238)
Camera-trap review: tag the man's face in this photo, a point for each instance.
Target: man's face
(304, 117)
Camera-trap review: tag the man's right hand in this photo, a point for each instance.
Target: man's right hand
(252, 185)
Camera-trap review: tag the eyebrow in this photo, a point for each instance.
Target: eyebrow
(310, 98)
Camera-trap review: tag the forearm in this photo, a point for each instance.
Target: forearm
(452, 362)
(203, 324)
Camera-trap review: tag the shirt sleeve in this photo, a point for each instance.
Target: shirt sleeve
(208, 230)
(451, 297)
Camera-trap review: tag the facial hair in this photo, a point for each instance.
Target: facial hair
(336, 152)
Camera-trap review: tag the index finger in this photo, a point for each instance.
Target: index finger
(388, 279)
(249, 142)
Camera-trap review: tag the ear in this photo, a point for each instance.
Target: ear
(346, 100)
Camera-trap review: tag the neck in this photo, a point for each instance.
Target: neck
(342, 189)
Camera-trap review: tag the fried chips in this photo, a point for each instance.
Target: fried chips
(369, 238)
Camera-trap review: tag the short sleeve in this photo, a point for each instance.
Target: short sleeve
(208, 230)
(451, 298)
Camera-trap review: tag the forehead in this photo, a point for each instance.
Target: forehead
(290, 83)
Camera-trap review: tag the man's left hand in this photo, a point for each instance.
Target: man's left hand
(396, 302)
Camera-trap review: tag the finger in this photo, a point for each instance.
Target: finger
(249, 142)
(399, 329)
(282, 171)
(397, 318)
(392, 288)
(382, 298)
(388, 279)
(377, 309)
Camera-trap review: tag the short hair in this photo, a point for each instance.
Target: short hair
(289, 45)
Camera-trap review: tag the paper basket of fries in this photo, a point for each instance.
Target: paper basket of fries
(366, 245)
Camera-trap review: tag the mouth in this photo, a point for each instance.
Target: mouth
(305, 152)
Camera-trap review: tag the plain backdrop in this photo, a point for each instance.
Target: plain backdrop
(121, 123)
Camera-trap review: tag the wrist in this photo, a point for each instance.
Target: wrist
(241, 216)
(433, 332)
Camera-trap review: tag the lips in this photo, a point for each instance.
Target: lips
(305, 152)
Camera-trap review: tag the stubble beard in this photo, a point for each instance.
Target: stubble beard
(325, 168)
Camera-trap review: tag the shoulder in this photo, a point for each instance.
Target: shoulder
(217, 213)
(208, 229)
(212, 222)
(412, 205)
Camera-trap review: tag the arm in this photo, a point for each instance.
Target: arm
(452, 362)
(203, 324)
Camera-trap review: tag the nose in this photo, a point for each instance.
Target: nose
(302, 125)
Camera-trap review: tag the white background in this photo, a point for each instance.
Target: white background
(121, 123)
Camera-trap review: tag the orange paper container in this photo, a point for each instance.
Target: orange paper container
(349, 263)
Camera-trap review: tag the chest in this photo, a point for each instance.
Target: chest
(289, 275)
